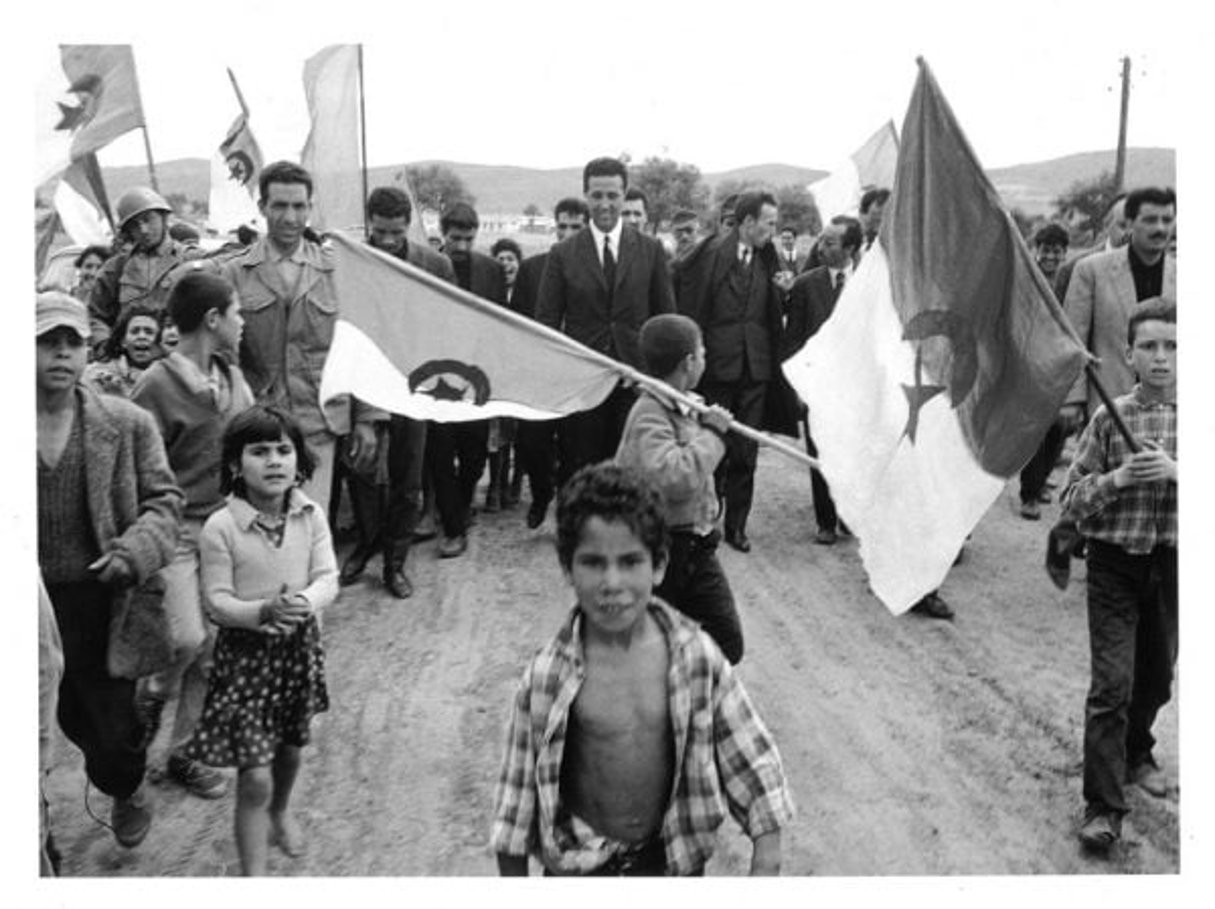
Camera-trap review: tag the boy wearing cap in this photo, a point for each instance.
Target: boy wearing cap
(108, 517)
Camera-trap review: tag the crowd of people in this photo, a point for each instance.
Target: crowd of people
(189, 471)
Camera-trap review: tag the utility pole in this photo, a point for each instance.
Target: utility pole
(1120, 160)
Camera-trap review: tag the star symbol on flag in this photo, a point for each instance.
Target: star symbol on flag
(443, 390)
(917, 396)
(87, 90)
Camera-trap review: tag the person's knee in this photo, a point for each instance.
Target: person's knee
(254, 786)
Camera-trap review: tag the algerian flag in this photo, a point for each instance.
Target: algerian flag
(946, 358)
(871, 165)
(235, 168)
(86, 98)
(413, 344)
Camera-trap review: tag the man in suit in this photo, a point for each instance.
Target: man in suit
(456, 452)
(290, 307)
(787, 254)
(537, 440)
(1117, 231)
(1105, 289)
(873, 204)
(387, 499)
(599, 286)
(811, 302)
(634, 213)
(730, 293)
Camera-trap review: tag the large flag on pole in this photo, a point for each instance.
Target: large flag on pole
(871, 165)
(331, 152)
(413, 344)
(945, 360)
(234, 171)
(85, 99)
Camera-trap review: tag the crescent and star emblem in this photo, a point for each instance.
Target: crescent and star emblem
(450, 380)
(87, 90)
(963, 363)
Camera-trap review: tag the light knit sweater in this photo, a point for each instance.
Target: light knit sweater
(242, 569)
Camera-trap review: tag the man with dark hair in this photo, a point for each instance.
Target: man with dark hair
(812, 300)
(599, 286)
(144, 274)
(683, 227)
(731, 295)
(634, 211)
(873, 204)
(456, 452)
(1106, 288)
(537, 440)
(387, 501)
(289, 302)
(1050, 247)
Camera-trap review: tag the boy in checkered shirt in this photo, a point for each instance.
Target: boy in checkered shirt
(1125, 504)
(630, 730)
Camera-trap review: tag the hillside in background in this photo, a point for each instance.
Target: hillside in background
(508, 190)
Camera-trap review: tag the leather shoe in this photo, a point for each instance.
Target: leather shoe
(353, 567)
(536, 513)
(1150, 779)
(826, 537)
(933, 607)
(450, 547)
(738, 539)
(1100, 830)
(398, 583)
(131, 817)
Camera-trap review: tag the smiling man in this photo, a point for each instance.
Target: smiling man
(599, 286)
(285, 285)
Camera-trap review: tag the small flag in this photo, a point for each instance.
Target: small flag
(87, 98)
(331, 152)
(871, 165)
(411, 343)
(82, 205)
(945, 360)
(234, 171)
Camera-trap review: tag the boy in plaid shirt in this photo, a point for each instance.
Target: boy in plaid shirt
(629, 728)
(1125, 504)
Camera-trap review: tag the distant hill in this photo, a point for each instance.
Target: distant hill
(508, 190)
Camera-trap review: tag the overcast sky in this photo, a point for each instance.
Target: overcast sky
(546, 84)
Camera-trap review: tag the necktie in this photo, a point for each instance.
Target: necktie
(745, 256)
(839, 282)
(609, 264)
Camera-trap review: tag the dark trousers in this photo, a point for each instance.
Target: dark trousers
(96, 711)
(735, 476)
(591, 436)
(1035, 473)
(1132, 627)
(385, 513)
(696, 585)
(456, 453)
(824, 506)
(536, 455)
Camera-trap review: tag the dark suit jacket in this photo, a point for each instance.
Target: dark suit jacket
(811, 301)
(427, 259)
(574, 294)
(527, 285)
(486, 278)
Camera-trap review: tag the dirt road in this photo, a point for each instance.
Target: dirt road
(913, 746)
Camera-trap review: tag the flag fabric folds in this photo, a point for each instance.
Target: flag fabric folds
(234, 171)
(871, 165)
(80, 199)
(411, 343)
(84, 101)
(945, 360)
(331, 152)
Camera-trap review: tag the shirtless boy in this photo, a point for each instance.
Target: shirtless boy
(630, 729)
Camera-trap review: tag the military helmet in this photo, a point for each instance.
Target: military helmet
(138, 200)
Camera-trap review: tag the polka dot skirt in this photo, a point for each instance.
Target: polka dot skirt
(263, 692)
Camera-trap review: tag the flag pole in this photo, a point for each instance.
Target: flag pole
(628, 373)
(147, 147)
(363, 136)
(240, 99)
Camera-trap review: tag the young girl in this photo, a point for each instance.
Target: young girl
(268, 569)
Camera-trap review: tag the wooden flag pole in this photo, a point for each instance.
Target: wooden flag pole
(147, 147)
(240, 99)
(363, 139)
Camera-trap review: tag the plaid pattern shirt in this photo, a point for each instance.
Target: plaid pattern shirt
(722, 752)
(1138, 518)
